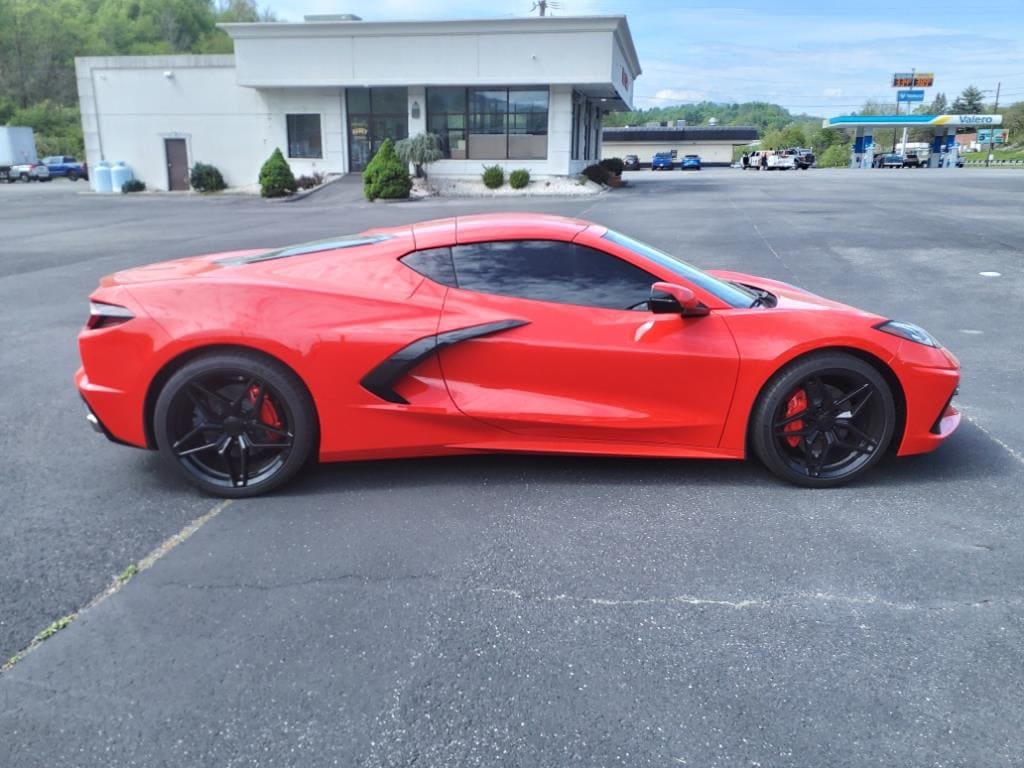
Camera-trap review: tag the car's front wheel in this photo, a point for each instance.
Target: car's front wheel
(72, 176)
(235, 424)
(823, 421)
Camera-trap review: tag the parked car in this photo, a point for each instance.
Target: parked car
(67, 166)
(631, 163)
(28, 172)
(914, 159)
(690, 163)
(804, 158)
(663, 161)
(222, 363)
(891, 160)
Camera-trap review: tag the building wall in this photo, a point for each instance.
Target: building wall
(129, 106)
(710, 152)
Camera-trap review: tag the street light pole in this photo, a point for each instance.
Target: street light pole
(992, 131)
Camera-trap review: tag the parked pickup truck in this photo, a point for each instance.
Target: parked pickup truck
(67, 166)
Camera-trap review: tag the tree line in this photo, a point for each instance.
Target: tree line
(39, 40)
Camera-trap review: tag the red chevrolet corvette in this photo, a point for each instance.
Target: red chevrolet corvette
(505, 332)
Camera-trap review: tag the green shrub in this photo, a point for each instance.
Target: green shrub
(276, 178)
(597, 174)
(836, 156)
(206, 178)
(133, 185)
(308, 182)
(613, 165)
(519, 179)
(494, 176)
(386, 176)
(422, 149)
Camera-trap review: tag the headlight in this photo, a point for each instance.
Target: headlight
(104, 315)
(908, 331)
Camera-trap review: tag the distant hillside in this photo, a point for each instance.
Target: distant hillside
(766, 117)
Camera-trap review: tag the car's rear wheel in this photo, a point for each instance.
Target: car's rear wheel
(823, 421)
(72, 176)
(235, 424)
(24, 177)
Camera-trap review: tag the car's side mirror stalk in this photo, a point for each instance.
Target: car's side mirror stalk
(672, 299)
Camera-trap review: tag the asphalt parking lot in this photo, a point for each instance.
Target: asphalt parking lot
(527, 611)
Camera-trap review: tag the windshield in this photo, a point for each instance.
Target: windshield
(731, 294)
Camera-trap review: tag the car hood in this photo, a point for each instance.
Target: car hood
(789, 296)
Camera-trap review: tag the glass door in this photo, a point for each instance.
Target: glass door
(374, 114)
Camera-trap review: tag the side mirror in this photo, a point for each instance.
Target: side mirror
(672, 299)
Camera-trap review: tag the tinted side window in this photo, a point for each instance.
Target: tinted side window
(435, 263)
(546, 270)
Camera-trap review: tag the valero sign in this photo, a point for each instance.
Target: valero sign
(913, 80)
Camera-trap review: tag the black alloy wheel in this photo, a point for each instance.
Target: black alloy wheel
(72, 176)
(235, 424)
(824, 420)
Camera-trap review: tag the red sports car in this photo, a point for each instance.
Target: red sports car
(505, 332)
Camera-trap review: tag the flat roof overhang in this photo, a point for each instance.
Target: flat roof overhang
(911, 121)
(593, 54)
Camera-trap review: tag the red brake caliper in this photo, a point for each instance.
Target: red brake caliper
(268, 413)
(796, 404)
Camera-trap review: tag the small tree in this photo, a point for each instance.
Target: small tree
(970, 100)
(386, 176)
(276, 177)
(836, 156)
(422, 149)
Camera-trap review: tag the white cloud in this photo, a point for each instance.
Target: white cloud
(675, 94)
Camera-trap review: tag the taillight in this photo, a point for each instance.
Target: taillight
(105, 315)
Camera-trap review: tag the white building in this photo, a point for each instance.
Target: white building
(523, 93)
(713, 143)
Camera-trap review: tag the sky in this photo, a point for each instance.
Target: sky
(822, 58)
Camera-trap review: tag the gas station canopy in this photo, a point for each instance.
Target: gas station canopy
(943, 143)
(912, 121)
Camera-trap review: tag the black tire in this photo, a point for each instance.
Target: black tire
(72, 176)
(24, 177)
(235, 424)
(848, 418)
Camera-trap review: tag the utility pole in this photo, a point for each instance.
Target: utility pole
(544, 5)
(992, 131)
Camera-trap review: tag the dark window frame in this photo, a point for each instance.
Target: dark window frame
(509, 118)
(295, 143)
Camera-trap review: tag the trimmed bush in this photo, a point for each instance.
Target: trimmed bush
(836, 156)
(276, 177)
(597, 174)
(386, 176)
(133, 185)
(519, 179)
(494, 176)
(422, 149)
(206, 178)
(613, 165)
(310, 181)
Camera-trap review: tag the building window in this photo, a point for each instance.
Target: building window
(490, 123)
(304, 136)
(446, 118)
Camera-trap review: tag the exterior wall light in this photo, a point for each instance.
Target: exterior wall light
(415, 110)
(168, 74)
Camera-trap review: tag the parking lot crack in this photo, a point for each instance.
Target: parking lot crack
(338, 579)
